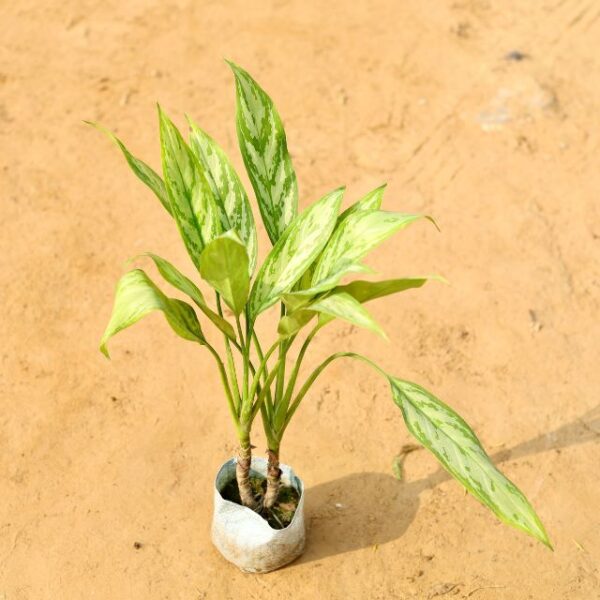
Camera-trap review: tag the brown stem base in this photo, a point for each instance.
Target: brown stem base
(273, 479)
(242, 475)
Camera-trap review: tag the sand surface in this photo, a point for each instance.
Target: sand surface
(96, 456)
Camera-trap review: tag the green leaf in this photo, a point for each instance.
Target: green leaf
(343, 306)
(294, 322)
(363, 291)
(264, 150)
(187, 286)
(143, 171)
(227, 189)
(190, 196)
(224, 265)
(294, 252)
(372, 201)
(136, 296)
(357, 235)
(445, 433)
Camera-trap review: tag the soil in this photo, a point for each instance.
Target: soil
(280, 515)
(96, 456)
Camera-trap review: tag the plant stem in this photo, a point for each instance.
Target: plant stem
(242, 472)
(259, 352)
(313, 376)
(273, 478)
(230, 362)
(228, 395)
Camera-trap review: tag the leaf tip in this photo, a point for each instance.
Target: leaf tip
(432, 220)
(104, 350)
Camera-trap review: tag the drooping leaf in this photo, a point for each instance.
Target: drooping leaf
(442, 431)
(136, 296)
(224, 265)
(264, 150)
(345, 307)
(179, 281)
(190, 196)
(372, 201)
(143, 171)
(363, 291)
(294, 252)
(357, 235)
(227, 189)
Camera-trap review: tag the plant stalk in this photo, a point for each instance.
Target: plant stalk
(273, 479)
(242, 473)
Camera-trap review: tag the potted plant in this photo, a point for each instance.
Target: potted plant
(258, 522)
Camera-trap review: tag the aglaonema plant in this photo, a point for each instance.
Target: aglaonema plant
(313, 251)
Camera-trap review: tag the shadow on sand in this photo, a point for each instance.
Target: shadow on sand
(377, 508)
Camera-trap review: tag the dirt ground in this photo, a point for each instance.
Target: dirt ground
(483, 114)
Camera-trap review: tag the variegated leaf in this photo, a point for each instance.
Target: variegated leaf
(264, 150)
(448, 436)
(227, 189)
(136, 296)
(179, 281)
(224, 265)
(190, 196)
(143, 171)
(372, 201)
(294, 252)
(363, 291)
(357, 235)
(344, 306)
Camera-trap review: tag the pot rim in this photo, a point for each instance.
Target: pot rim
(288, 476)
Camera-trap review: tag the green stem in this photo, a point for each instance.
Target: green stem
(230, 362)
(313, 376)
(260, 371)
(259, 352)
(283, 408)
(228, 394)
(262, 394)
(245, 359)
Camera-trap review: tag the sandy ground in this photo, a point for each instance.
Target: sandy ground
(96, 456)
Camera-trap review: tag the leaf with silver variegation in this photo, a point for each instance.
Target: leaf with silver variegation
(227, 189)
(371, 201)
(191, 198)
(264, 149)
(344, 306)
(353, 239)
(294, 252)
(136, 296)
(445, 433)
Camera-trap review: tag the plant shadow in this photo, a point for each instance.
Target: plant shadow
(367, 509)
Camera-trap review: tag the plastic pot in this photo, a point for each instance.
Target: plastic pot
(243, 537)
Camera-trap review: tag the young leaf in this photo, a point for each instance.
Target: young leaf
(294, 252)
(224, 265)
(363, 291)
(136, 296)
(143, 171)
(190, 196)
(294, 322)
(264, 150)
(179, 281)
(343, 306)
(226, 188)
(445, 433)
(352, 240)
(372, 201)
